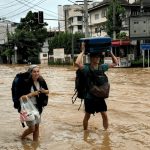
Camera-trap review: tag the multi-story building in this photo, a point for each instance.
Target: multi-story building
(6, 27)
(73, 18)
(97, 17)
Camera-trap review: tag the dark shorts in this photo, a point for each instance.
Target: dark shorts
(95, 105)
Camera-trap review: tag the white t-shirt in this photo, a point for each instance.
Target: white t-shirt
(33, 99)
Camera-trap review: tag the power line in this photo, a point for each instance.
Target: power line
(5, 7)
(33, 5)
(8, 3)
(43, 9)
(24, 10)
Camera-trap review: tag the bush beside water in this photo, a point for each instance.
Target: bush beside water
(139, 63)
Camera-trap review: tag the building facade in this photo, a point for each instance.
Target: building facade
(97, 18)
(5, 28)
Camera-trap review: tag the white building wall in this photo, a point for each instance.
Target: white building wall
(4, 27)
(61, 18)
(95, 20)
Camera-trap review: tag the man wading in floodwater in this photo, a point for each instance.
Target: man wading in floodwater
(92, 103)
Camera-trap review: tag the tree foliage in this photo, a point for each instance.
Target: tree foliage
(64, 40)
(29, 36)
(119, 10)
(122, 35)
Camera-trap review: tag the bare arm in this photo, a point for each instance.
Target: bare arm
(25, 97)
(42, 90)
(79, 60)
(114, 60)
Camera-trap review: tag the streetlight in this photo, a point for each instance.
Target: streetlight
(15, 49)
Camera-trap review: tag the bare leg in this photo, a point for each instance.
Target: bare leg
(28, 131)
(85, 120)
(105, 120)
(36, 133)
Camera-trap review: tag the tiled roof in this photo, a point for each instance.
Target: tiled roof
(121, 1)
(106, 3)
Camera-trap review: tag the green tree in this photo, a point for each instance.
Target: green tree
(122, 35)
(7, 52)
(29, 36)
(119, 10)
(64, 40)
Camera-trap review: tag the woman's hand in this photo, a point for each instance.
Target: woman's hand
(42, 90)
(32, 94)
(24, 97)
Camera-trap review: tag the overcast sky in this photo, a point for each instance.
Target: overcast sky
(13, 10)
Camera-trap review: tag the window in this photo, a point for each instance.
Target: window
(80, 27)
(44, 55)
(79, 18)
(103, 13)
(96, 16)
(136, 22)
(96, 30)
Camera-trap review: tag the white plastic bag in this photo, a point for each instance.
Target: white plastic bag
(28, 111)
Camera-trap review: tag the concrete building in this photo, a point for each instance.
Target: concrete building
(73, 18)
(97, 17)
(6, 27)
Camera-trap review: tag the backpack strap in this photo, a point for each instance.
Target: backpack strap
(92, 76)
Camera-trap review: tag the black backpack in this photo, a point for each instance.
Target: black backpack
(81, 82)
(16, 88)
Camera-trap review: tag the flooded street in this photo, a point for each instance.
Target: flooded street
(61, 127)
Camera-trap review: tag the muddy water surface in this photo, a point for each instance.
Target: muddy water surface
(61, 127)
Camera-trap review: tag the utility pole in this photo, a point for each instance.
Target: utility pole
(141, 6)
(86, 18)
(114, 19)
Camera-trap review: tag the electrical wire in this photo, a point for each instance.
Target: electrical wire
(5, 7)
(44, 9)
(33, 5)
(7, 3)
(38, 3)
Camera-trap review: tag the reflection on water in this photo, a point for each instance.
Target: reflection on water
(106, 142)
(61, 127)
(30, 145)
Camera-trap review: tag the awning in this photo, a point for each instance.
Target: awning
(117, 43)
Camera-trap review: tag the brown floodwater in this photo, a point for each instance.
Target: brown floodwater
(61, 127)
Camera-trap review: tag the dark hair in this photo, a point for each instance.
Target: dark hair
(96, 55)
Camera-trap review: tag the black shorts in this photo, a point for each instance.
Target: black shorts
(95, 105)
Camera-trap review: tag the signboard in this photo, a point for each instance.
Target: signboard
(108, 60)
(58, 53)
(145, 47)
(139, 27)
(131, 57)
(122, 62)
